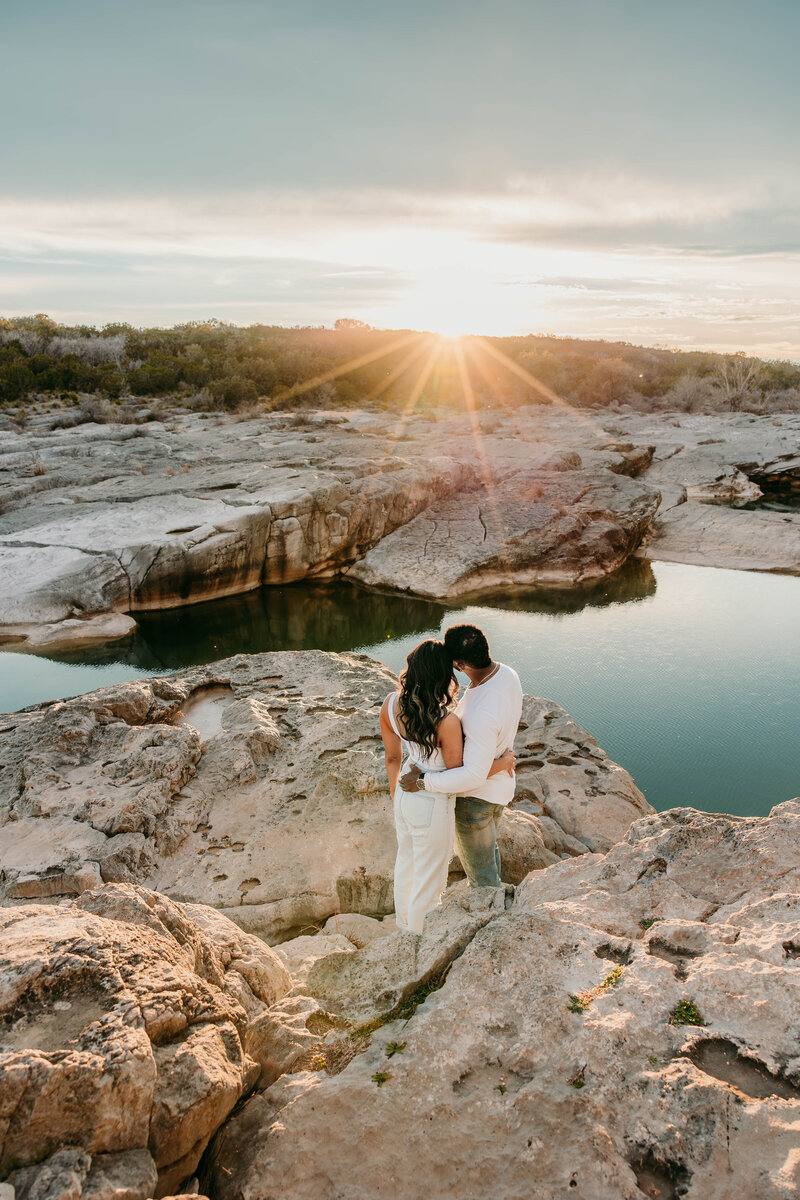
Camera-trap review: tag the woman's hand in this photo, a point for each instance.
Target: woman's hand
(506, 762)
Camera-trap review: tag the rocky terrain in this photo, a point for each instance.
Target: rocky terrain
(257, 785)
(201, 985)
(114, 519)
(704, 467)
(624, 1026)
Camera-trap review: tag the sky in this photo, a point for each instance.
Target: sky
(598, 168)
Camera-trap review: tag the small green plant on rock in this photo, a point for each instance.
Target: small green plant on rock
(403, 1011)
(651, 1058)
(612, 979)
(501, 1088)
(393, 1048)
(579, 1004)
(648, 922)
(380, 1077)
(685, 1013)
(578, 1080)
(409, 1006)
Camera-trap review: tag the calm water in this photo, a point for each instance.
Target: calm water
(686, 676)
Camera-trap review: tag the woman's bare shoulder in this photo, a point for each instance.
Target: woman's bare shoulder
(449, 723)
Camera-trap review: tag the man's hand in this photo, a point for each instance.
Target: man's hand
(408, 782)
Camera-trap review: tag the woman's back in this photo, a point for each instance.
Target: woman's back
(416, 753)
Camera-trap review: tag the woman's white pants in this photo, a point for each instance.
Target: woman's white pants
(425, 824)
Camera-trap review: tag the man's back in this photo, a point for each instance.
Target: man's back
(492, 709)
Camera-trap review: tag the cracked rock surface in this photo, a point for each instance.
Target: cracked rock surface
(556, 1056)
(106, 518)
(257, 786)
(126, 518)
(727, 457)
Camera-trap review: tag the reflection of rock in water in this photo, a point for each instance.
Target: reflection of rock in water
(633, 581)
(302, 617)
(333, 616)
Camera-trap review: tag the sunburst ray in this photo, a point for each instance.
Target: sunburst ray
(351, 365)
(537, 385)
(480, 449)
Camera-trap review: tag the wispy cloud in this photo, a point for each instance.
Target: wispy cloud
(614, 256)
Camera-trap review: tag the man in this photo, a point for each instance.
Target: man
(490, 710)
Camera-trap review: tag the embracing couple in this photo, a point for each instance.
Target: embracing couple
(459, 766)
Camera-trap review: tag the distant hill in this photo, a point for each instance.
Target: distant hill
(214, 365)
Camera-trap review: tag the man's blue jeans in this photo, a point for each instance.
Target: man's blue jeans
(476, 835)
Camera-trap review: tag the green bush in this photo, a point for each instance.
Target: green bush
(234, 392)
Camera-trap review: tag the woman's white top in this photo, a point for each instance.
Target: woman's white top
(413, 751)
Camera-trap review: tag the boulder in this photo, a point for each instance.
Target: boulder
(533, 527)
(257, 786)
(124, 1041)
(626, 1028)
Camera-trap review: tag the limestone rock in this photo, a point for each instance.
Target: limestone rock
(213, 510)
(710, 535)
(73, 633)
(301, 953)
(121, 1040)
(279, 1037)
(371, 982)
(208, 512)
(728, 456)
(730, 484)
(273, 808)
(357, 928)
(546, 528)
(553, 1060)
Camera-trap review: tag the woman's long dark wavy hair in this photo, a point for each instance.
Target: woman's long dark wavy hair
(426, 692)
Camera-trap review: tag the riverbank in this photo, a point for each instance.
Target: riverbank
(126, 519)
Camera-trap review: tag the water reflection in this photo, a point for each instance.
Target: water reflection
(303, 616)
(328, 616)
(634, 581)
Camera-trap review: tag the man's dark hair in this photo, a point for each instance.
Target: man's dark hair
(468, 644)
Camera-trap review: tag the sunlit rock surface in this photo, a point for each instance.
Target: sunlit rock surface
(257, 785)
(535, 527)
(626, 1028)
(106, 518)
(732, 457)
(130, 518)
(123, 1046)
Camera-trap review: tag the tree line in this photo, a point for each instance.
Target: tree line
(207, 365)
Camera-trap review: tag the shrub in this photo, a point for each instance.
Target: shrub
(234, 392)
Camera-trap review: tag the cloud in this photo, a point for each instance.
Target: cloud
(599, 256)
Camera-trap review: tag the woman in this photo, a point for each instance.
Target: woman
(418, 719)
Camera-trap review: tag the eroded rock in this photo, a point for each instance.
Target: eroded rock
(123, 1038)
(533, 527)
(553, 1061)
(278, 814)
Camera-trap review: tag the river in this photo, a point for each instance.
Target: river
(687, 676)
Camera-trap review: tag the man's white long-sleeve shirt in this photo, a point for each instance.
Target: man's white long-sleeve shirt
(489, 715)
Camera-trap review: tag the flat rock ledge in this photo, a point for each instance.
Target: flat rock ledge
(115, 518)
(256, 785)
(129, 518)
